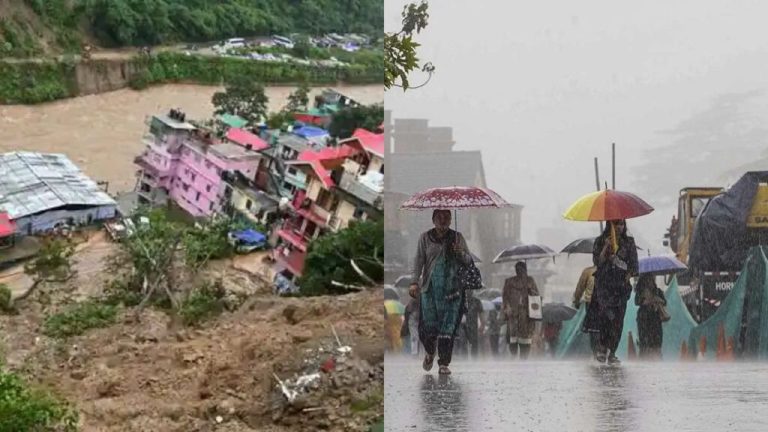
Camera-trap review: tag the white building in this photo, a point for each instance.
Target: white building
(41, 190)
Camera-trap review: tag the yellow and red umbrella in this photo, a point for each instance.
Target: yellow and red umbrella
(394, 307)
(607, 205)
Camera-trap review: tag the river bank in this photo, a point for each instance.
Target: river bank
(39, 80)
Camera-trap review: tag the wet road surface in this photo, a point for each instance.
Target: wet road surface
(578, 395)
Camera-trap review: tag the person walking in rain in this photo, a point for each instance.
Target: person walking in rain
(515, 306)
(583, 294)
(475, 323)
(494, 330)
(650, 298)
(440, 251)
(616, 260)
(410, 329)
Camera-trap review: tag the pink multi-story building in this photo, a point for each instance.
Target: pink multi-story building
(185, 164)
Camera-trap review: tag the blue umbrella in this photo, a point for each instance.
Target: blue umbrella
(497, 300)
(660, 265)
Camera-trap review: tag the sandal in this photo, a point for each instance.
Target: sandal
(428, 361)
(444, 370)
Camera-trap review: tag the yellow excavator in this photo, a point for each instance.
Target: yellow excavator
(691, 202)
(712, 232)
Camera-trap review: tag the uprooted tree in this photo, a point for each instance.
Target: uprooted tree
(154, 254)
(52, 264)
(352, 257)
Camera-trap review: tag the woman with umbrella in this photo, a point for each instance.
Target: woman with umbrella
(440, 252)
(651, 299)
(615, 257)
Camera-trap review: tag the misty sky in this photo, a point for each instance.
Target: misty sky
(543, 87)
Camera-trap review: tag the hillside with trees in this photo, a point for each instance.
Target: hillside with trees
(37, 27)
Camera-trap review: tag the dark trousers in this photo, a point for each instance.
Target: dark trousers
(494, 342)
(524, 350)
(612, 326)
(474, 341)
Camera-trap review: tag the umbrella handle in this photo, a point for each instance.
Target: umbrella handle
(614, 243)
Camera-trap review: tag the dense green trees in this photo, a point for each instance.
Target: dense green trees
(146, 22)
(330, 259)
(344, 122)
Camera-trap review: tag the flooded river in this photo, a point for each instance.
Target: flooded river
(102, 133)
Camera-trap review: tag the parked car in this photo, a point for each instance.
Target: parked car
(229, 44)
(282, 41)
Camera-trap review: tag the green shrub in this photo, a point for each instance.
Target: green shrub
(26, 409)
(202, 304)
(80, 318)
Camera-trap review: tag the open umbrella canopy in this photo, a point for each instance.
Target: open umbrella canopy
(660, 265)
(488, 305)
(557, 312)
(403, 281)
(607, 205)
(498, 300)
(582, 246)
(391, 294)
(523, 253)
(488, 293)
(455, 197)
(394, 307)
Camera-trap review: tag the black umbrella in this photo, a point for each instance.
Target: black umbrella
(391, 294)
(557, 312)
(582, 246)
(523, 253)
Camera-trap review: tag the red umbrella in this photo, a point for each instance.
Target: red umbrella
(455, 197)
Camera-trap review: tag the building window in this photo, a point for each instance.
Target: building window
(193, 176)
(185, 187)
(207, 165)
(210, 206)
(381, 170)
(207, 188)
(248, 204)
(359, 212)
(197, 197)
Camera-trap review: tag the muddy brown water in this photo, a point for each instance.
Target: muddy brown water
(102, 133)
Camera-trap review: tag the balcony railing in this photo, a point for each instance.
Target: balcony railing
(146, 162)
(321, 213)
(294, 237)
(294, 261)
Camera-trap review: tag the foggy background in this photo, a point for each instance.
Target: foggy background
(543, 87)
